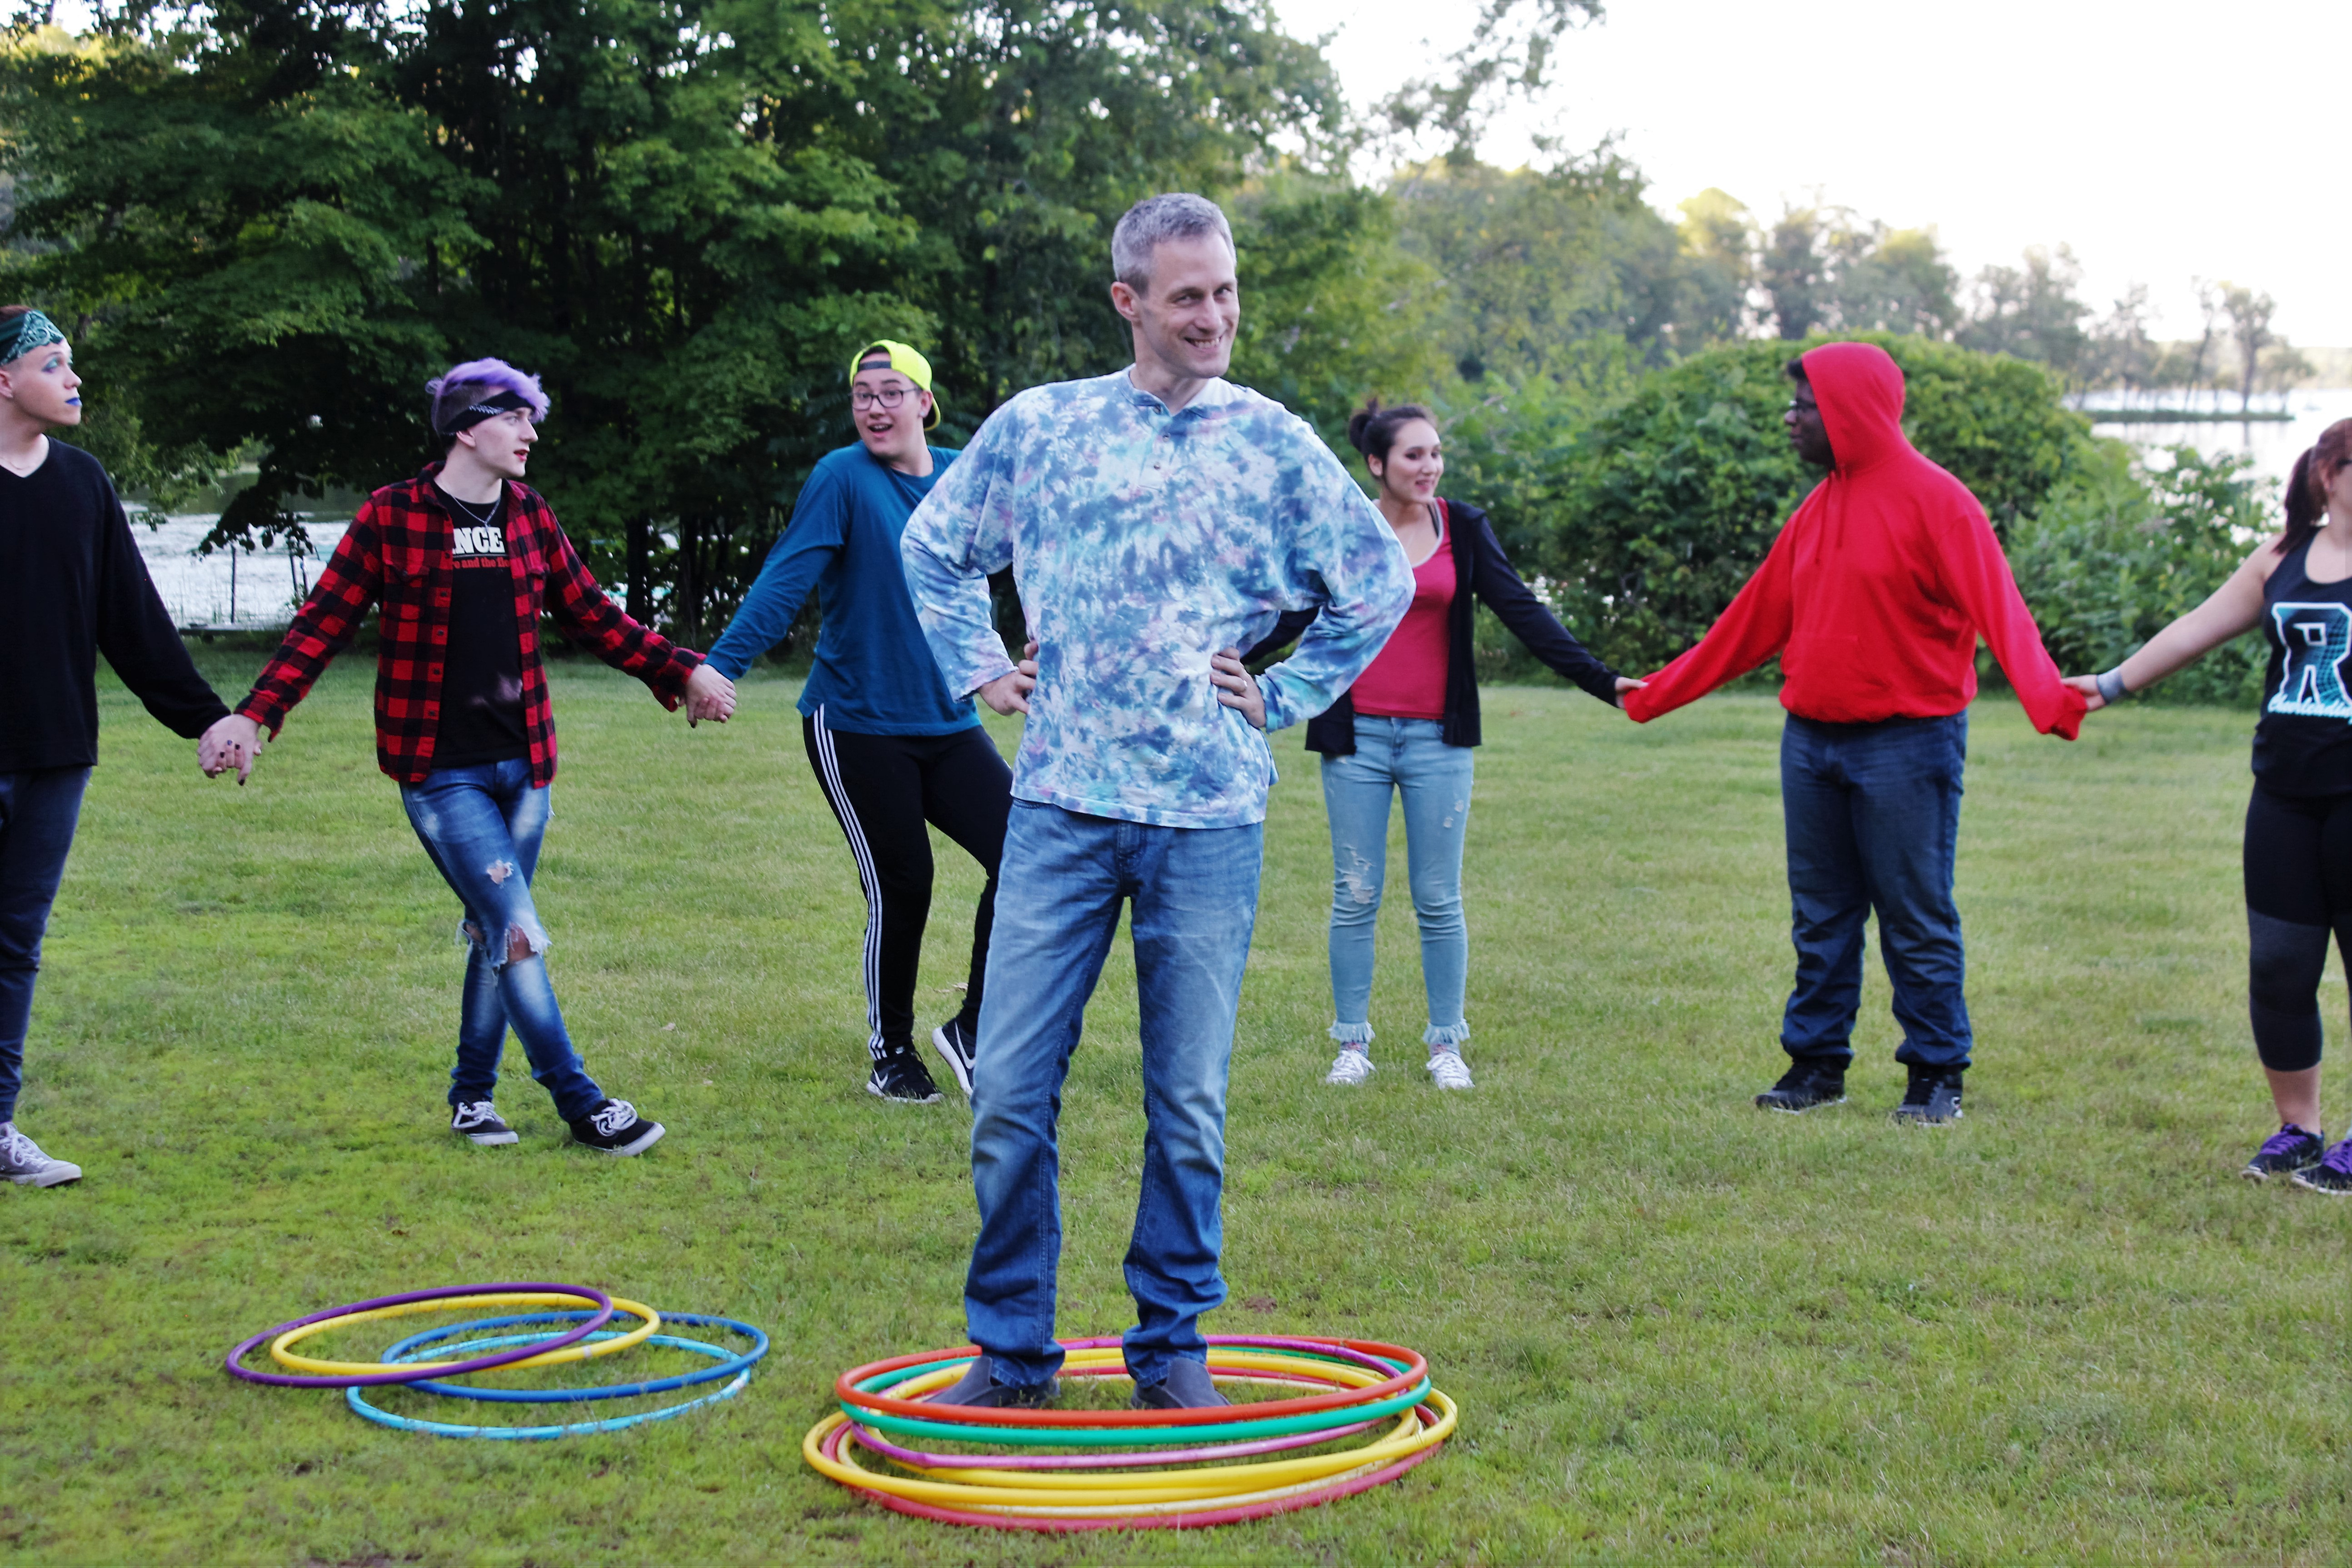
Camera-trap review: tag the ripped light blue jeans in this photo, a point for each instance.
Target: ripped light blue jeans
(482, 827)
(1407, 758)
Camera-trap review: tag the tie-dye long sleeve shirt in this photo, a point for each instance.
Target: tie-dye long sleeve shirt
(1143, 542)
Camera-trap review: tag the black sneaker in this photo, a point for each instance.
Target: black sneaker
(479, 1120)
(1804, 1086)
(1187, 1386)
(2283, 1153)
(900, 1075)
(978, 1389)
(615, 1127)
(2332, 1175)
(956, 1041)
(1933, 1097)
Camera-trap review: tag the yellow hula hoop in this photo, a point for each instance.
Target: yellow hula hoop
(1137, 1492)
(281, 1350)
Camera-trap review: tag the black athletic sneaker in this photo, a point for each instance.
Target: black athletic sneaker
(479, 1120)
(901, 1075)
(2332, 1175)
(1804, 1086)
(615, 1127)
(958, 1043)
(977, 1390)
(2283, 1153)
(1933, 1098)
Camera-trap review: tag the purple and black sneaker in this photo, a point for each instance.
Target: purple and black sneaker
(2286, 1152)
(2332, 1175)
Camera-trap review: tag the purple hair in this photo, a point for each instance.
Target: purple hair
(476, 378)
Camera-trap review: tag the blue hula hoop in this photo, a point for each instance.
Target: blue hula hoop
(359, 1405)
(730, 1363)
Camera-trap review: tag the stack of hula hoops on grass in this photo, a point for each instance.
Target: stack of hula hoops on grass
(1369, 1416)
(426, 1361)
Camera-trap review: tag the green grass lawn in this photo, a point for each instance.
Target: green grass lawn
(1678, 1328)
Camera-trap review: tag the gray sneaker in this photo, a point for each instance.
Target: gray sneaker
(22, 1162)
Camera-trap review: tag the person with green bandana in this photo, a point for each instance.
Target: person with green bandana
(72, 586)
(891, 748)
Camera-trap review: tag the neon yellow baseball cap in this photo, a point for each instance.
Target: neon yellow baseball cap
(908, 363)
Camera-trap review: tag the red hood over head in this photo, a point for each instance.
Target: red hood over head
(1860, 390)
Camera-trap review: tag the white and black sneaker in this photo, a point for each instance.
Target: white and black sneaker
(479, 1122)
(615, 1128)
(960, 1046)
(901, 1075)
(22, 1162)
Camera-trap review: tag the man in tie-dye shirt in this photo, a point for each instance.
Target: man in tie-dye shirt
(1157, 520)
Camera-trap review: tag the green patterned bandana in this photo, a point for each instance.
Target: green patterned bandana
(20, 335)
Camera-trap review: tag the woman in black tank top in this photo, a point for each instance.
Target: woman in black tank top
(2297, 589)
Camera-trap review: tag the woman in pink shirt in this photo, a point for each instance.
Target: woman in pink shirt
(1406, 729)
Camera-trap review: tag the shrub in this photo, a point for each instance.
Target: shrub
(1672, 498)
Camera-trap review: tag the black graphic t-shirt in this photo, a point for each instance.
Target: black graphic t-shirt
(481, 672)
(2302, 745)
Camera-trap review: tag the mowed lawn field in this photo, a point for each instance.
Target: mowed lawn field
(1679, 1328)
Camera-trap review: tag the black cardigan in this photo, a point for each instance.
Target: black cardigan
(1483, 570)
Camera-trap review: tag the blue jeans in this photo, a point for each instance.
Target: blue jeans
(482, 827)
(1193, 897)
(38, 813)
(1406, 756)
(1874, 815)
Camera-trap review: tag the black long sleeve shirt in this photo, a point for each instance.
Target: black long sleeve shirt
(72, 586)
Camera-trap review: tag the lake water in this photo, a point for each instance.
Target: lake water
(2273, 444)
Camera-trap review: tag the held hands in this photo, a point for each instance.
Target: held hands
(2089, 686)
(1236, 687)
(1627, 684)
(232, 742)
(1010, 693)
(708, 694)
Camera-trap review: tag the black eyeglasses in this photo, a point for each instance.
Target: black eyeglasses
(889, 397)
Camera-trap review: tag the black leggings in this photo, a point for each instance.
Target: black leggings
(883, 789)
(2298, 890)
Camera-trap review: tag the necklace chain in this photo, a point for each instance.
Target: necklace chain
(482, 520)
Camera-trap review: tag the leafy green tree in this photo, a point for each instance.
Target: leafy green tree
(2033, 312)
(1668, 501)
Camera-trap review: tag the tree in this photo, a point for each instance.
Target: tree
(2249, 333)
(2031, 312)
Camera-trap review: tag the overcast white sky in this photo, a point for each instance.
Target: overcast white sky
(2161, 140)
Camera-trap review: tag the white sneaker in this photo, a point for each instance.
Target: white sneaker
(22, 1162)
(1448, 1069)
(1350, 1067)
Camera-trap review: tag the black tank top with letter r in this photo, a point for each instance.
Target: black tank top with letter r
(2303, 746)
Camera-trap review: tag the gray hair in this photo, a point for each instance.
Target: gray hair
(1153, 223)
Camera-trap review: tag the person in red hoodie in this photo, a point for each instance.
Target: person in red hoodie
(1874, 595)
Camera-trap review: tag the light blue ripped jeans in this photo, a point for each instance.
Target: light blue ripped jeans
(1406, 756)
(482, 826)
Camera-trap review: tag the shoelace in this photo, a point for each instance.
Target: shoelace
(18, 1149)
(476, 1111)
(1449, 1070)
(2282, 1142)
(2338, 1159)
(614, 1117)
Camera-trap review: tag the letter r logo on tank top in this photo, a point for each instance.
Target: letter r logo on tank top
(2316, 638)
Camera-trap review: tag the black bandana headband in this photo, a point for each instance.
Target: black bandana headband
(473, 413)
(22, 333)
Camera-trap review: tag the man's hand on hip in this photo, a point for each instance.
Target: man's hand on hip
(1236, 687)
(1010, 692)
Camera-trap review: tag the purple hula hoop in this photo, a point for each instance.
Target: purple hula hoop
(415, 1374)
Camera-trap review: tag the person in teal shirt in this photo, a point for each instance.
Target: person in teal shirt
(892, 749)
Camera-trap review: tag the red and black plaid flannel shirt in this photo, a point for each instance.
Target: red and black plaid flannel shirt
(396, 553)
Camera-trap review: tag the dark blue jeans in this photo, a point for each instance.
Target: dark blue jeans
(1873, 815)
(482, 827)
(1192, 896)
(38, 813)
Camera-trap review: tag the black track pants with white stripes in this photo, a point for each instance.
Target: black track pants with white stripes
(883, 788)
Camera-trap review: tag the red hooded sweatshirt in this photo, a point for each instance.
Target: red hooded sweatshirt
(1876, 589)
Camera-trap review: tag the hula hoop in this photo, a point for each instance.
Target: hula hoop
(731, 1362)
(372, 1375)
(280, 1349)
(382, 1417)
(873, 1407)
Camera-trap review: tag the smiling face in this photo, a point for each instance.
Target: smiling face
(1186, 314)
(1414, 465)
(889, 411)
(1806, 432)
(502, 443)
(43, 386)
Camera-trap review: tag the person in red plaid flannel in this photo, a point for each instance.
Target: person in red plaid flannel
(465, 559)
